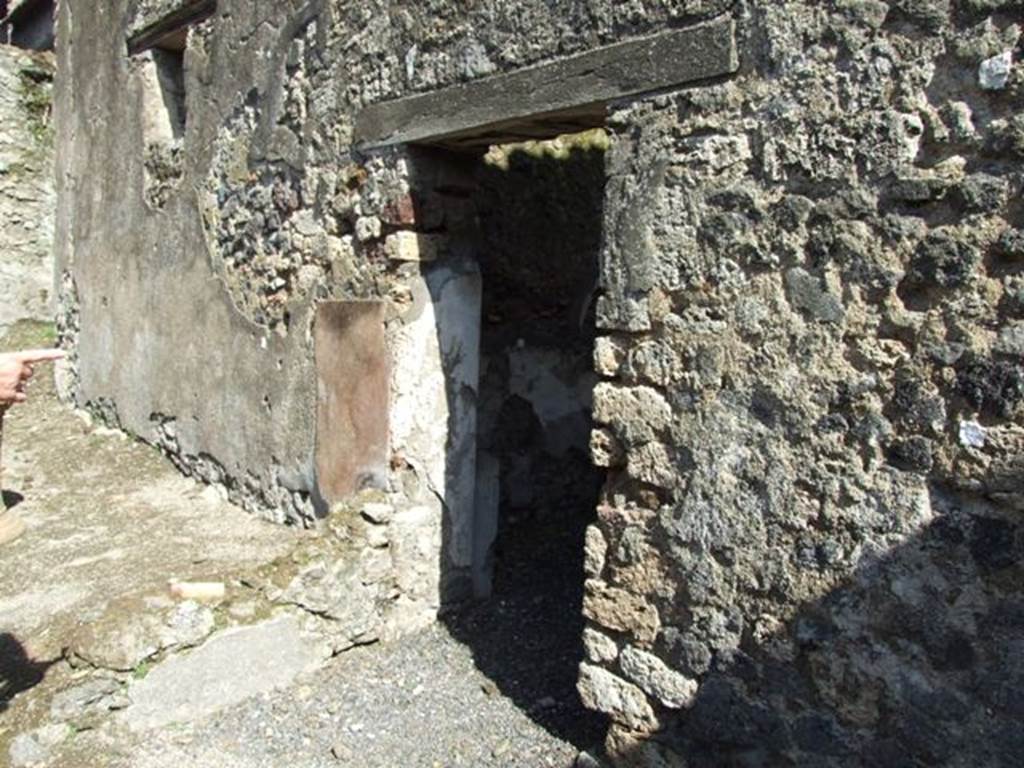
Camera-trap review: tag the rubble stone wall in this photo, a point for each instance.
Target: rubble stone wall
(810, 325)
(810, 549)
(27, 195)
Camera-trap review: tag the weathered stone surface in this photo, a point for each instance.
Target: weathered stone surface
(629, 749)
(27, 194)
(972, 434)
(34, 747)
(378, 513)
(637, 414)
(133, 629)
(84, 705)
(652, 463)
(595, 550)
(649, 672)
(232, 666)
(994, 73)
(808, 295)
(814, 385)
(621, 610)
(603, 691)
(187, 625)
(608, 356)
(600, 649)
(605, 449)
(412, 246)
(595, 77)
(337, 591)
(416, 540)
(416, 577)
(1011, 340)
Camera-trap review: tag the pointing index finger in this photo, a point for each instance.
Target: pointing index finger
(40, 355)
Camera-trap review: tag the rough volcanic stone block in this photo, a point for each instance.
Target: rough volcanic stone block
(602, 691)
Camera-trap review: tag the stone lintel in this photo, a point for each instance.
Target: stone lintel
(570, 93)
(179, 16)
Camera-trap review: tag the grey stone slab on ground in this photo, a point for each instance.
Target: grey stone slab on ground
(230, 668)
(419, 702)
(33, 748)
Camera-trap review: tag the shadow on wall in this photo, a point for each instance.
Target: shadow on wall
(17, 671)
(916, 660)
(511, 303)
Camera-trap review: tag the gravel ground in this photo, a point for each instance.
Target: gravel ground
(527, 638)
(418, 702)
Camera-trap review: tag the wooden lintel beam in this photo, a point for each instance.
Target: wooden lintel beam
(582, 84)
(191, 12)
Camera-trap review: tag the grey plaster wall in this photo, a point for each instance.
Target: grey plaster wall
(161, 351)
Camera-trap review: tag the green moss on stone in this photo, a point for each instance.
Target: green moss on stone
(35, 92)
(558, 148)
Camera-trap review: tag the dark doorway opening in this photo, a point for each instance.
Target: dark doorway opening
(538, 230)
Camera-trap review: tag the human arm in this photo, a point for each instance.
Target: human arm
(16, 368)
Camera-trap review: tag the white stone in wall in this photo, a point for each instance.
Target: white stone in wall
(608, 356)
(972, 434)
(595, 550)
(671, 688)
(651, 463)
(994, 73)
(368, 228)
(413, 246)
(602, 691)
(599, 648)
(636, 413)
